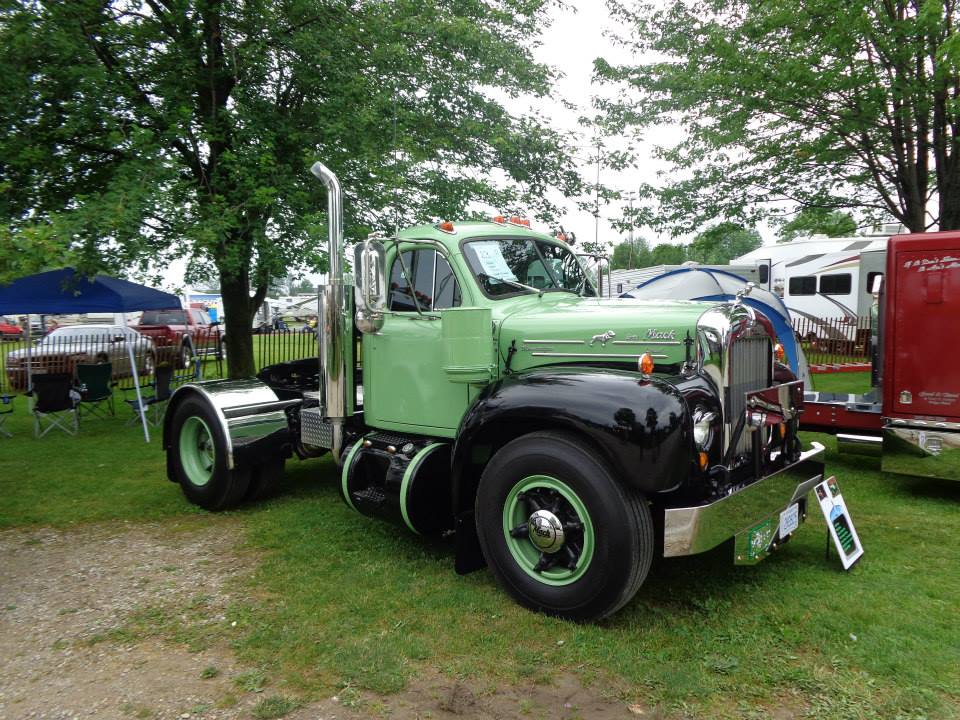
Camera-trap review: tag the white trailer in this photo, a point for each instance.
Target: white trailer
(825, 280)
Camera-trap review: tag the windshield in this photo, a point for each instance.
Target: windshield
(503, 266)
(164, 317)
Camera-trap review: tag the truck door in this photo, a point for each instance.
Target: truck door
(926, 302)
(405, 386)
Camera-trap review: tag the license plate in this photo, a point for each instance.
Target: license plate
(789, 520)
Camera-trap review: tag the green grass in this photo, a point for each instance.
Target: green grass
(341, 603)
(842, 382)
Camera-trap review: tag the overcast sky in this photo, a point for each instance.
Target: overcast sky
(571, 44)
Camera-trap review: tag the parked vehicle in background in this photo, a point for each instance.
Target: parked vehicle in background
(911, 417)
(9, 331)
(182, 334)
(825, 281)
(62, 349)
(623, 281)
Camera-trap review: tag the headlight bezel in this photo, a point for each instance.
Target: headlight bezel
(703, 427)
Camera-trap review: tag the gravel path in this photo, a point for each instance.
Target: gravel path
(83, 611)
(62, 591)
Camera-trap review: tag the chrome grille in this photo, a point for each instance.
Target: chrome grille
(750, 367)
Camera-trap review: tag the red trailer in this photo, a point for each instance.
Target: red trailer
(911, 418)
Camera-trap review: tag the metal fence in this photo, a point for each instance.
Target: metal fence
(834, 340)
(282, 345)
(204, 358)
(61, 353)
(823, 341)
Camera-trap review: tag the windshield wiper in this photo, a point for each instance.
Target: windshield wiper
(516, 284)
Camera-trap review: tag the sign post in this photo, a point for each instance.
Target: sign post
(839, 523)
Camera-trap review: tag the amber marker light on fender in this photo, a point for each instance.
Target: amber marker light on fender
(646, 365)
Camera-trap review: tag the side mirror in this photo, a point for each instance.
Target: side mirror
(118, 338)
(370, 270)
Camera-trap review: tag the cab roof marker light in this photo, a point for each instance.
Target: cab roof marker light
(519, 221)
(499, 219)
(446, 227)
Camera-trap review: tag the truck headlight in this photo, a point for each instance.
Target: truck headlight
(703, 427)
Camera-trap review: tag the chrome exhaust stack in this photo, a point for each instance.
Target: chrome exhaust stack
(335, 322)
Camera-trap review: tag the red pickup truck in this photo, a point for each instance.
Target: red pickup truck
(187, 333)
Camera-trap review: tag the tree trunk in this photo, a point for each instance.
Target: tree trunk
(237, 310)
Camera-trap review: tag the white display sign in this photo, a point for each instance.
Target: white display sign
(838, 519)
(491, 259)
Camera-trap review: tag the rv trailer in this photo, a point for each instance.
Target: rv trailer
(825, 280)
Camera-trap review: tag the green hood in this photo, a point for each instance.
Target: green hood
(565, 329)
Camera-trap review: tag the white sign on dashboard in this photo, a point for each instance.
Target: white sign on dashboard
(491, 259)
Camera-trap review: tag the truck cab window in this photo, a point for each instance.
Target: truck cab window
(806, 285)
(434, 283)
(839, 284)
(503, 266)
(446, 292)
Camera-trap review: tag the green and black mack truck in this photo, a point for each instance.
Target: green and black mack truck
(470, 381)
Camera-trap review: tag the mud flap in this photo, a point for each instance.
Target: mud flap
(469, 554)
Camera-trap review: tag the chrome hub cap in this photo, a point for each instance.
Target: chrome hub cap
(545, 531)
(548, 530)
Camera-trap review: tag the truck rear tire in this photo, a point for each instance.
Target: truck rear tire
(199, 450)
(560, 534)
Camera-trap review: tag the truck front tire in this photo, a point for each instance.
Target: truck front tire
(560, 534)
(199, 450)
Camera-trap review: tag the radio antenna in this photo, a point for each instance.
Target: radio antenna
(396, 163)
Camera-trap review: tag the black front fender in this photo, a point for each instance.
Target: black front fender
(641, 428)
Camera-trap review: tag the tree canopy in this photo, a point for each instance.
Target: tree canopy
(630, 254)
(141, 130)
(818, 221)
(831, 104)
(668, 254)
(722, 243)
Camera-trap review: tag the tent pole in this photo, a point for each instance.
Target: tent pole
(29, 360)
(136, 381)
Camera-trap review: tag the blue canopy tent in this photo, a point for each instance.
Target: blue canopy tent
(693, 283)
(67, 291)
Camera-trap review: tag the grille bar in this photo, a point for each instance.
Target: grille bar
(749, 370)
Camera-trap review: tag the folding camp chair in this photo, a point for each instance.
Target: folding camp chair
(193, 373)
(95, 385)
(55, 402)
(6, 408)
(162, 390)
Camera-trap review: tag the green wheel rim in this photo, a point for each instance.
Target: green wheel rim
(573, 560)
(197, 453)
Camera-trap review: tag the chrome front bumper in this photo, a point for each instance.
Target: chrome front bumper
(751, 515)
